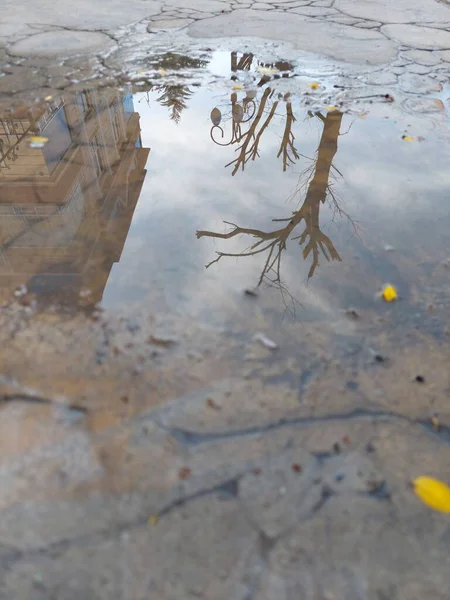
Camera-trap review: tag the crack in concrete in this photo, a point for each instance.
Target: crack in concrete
(193, 438)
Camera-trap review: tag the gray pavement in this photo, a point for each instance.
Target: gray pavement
(364, 32)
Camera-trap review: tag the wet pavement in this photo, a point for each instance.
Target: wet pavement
(204, 393)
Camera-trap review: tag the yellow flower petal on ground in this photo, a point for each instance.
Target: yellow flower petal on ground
(237, 87)
(389, 293)
(408, 138)
(152, 520)
(37, 141)
(314, 85)
(267, 71)
(330, 108)
(433, 493)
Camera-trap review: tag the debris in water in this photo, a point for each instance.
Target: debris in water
(37, 141)
(389, 293)
(433, 493)
(420, 379)
(265, 341)
(314, 85)
(250, 292)
(336, 448)
(351, 312)
(211, 404)
(161, 341)
(434, 420)
(21, 291)
(152, 520)
(297, 468)
(184, 473)
(389, 248)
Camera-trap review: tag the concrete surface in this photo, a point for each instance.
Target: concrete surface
(333, 28)
(205, 474)
(373, 38)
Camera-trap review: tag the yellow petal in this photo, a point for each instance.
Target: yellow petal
(408, 138)
(314, 85)
(237, 87)
(330, 108)
(433, 493)
(152, 520)
(48, 98)
(36, 141)
(266, 71)
(162, 72)
(389, 293)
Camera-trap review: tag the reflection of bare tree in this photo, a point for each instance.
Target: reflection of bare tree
(312, 239)
(248, 141)
(288, 139)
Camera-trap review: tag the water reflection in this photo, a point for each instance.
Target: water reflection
(174, 96)
(65, 208)
(312, 239)
(259, 112)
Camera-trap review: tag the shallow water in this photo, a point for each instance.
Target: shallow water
(314, 207)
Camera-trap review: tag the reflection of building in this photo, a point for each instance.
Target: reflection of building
(66, 208)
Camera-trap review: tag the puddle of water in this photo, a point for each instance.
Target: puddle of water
(314, 206)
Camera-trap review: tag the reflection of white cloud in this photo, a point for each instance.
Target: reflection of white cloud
(388, 186)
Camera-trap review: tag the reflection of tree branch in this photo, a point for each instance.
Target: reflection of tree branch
(245, 152)
(313, 240)
(287, 142)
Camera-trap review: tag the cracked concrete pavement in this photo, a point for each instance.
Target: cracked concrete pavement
(207, 474)
(91, 42)
(218, 469)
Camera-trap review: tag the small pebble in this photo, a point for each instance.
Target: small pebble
(184, 473)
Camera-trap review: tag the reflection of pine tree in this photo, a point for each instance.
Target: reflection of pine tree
(174, 97)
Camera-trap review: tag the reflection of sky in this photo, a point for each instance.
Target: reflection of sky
(396, 191)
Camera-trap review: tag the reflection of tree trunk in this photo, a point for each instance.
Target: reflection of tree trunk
(328, 145)
(244, 64)
(317, 192)
(274, 242)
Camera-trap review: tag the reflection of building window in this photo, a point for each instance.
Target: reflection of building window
(116, 129)
(95, 152)
(85, 102)
(51, 111)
